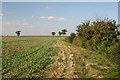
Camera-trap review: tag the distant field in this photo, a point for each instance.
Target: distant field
(51, 57)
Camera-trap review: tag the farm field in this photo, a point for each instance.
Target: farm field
(51, 57)
(24, 56)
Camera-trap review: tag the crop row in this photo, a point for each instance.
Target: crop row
(23, 64)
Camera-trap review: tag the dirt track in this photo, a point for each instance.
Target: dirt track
(64, 65)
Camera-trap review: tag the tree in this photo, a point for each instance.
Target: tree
(59, 33)
(53, 33)
(64, 31)
(71, 37)
(18, 33)
(84, 30)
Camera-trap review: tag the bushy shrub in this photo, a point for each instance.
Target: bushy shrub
(67, 39)
(100, 36)
(102, 47)
(89, 45)
(79, 41)
(113, 52)
(70, 38)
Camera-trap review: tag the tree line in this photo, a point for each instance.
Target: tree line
(62, 32)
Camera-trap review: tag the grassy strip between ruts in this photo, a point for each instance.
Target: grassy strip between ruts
(89, 64)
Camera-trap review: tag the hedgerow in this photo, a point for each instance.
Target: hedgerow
(99, 35)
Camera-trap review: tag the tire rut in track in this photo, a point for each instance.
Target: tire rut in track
(68, 65)
(64, 67)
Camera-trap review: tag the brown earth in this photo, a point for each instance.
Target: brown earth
(64, 65)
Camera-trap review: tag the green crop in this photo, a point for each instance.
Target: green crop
(23, 56)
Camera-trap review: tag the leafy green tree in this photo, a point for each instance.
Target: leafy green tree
(64, 31)
(84, 30)
(70, 38)
(98, 31)
(53, 33)
(72, 35)
(60, 33)
(18, 33)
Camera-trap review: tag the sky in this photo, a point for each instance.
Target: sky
(42, 18)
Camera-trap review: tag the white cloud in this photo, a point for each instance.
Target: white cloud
(50, 17)
(47, 17)
(61, 19)
(43, 17)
